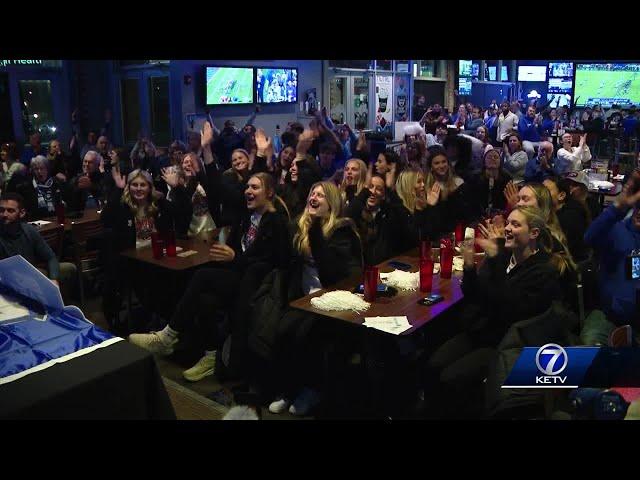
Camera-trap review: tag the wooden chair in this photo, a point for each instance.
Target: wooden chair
(54, 238)
(85, 259)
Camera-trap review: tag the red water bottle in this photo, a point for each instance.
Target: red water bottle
(459, 232)
(170, 243)
(426, 274)
(371, 275)
(478, 234)
(446, 257)
(157, 245)
(60, 213)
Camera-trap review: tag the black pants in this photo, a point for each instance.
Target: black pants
(231, 290)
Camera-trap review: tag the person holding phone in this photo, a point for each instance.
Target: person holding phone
(258, 243)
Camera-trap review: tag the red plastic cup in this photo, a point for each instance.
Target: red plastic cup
(426, 275)
(157, 245)
(170, 243)
(60, 213)
(615, 169)
(478, 235)
(370, 283)
(459, 232)
(446, 258)
(425, 249)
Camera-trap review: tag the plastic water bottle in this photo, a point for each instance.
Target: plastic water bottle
(91, 202)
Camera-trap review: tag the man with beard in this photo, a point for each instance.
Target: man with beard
(19, 238)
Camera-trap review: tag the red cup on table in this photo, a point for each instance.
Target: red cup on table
(446, 257)
(478, 234)
(615, 169)
(170, 243)
(371, 275)
(60, 213)
(157, 245)
(459, 232)
(426, 275)
(425, 249)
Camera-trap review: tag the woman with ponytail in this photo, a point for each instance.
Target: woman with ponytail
(519, 279)
(258, 243)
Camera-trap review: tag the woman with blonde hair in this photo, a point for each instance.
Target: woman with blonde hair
(414, 205)
(353, 180)
(135, 210)
(518, 280)
(326, 250)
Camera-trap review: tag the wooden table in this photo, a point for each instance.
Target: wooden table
(145, 255)
(403, 303)
(88, 215)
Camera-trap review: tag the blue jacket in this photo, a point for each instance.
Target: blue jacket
(529, 130)
(614, 237)
(533, 172)
(629, 125)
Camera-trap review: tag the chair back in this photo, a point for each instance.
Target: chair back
(621, 337)
(54, 238)
(81, 232)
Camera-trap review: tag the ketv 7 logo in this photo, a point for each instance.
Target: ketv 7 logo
(551, 361)
(550, 366)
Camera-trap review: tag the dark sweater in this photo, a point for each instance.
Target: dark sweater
(336, 258)
(505, 298)
(480, 193)
(413, 227)
(234, 205)
(59, 191)
(574, 223)
(24, 239)
(119, 220)
(378, 235)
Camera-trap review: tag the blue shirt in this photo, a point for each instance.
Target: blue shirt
(534, 172)
(528, 129)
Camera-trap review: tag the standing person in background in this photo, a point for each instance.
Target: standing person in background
(88, 187)
(507, 123)
(542, 166)
(63, 167)
(419, 109)
(476, 119)
(530, 127)
(486, 190)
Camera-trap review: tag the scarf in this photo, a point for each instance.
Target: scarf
(45, 194)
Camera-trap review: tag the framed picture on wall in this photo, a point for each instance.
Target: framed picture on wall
(311, 101)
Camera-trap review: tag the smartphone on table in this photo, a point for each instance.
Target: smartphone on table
(431, 299)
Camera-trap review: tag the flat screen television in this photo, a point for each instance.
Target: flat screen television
(465, 68)
(560, 85)
(560, 69)
(607, 84)
(229, 85)
(560, 100)
(475, 71)
(276, 85)
(464, 86)
(492, 73)
(531, 73)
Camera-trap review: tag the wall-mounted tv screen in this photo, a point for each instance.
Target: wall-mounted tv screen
(560, 69)
(607, 84)
(276, 85)
(529, 73)
(559, 100)
(492, 73)
(464, 68)
(464, 86)
(229, 85)
(475, 71)
(560, 85)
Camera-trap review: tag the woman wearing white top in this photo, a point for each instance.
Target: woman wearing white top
(574, 158)
(515, 158)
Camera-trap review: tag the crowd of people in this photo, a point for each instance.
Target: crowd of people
(313, 206)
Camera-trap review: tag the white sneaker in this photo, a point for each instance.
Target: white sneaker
(152, 342)
(305, 402)
(205, 367)
(279, 405)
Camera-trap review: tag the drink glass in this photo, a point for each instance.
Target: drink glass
(157, 245)
(446, 257)
(60, 213)
(425, 249)
(370, 283)
(170, 242)
(426, 275)
(459, 232)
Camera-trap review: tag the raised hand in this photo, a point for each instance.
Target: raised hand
(433, 195)
(511, 194)
(221, 253)
(491, 230)
(170, 176)
(362, 142)
(84, 182)
(489, 245)
(583, 140)
(206, 135)
(262, 142)
(304, 141)
(119, 180)
(627, 198)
